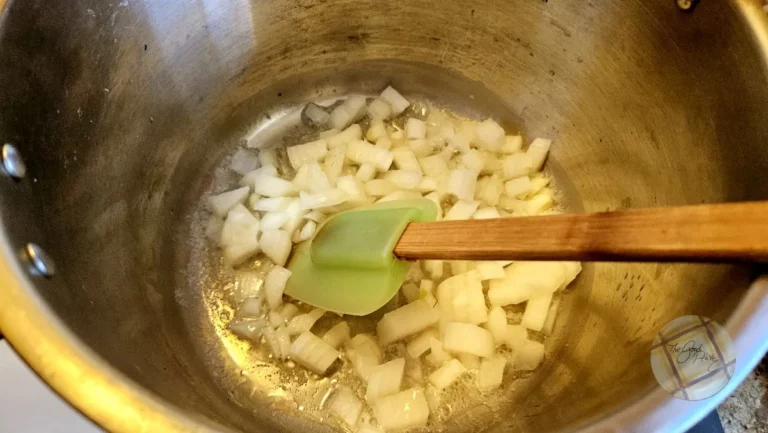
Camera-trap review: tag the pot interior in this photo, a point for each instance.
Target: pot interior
(124, 111)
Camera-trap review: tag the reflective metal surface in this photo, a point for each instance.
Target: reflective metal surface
(122, 110)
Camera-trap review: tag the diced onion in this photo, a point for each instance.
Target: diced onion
(273, 220)
(405, 321)
(404, 410)
(420, 147)
(447, 374)
(433, 166)
(491, 191)
(268, 157)
(317, 180)
(301, 154)
(461, 183)
(537, 184)
(512, 144)
(405, 159)
(489, 135)
(379, 187)
(427, 184)
(337, 335)
(473, 160)
(276, 244)
(470, 362)
(222, 203)
(313, 353)
(304, 322)
(539, 203)
(516, 336)
(274, 285)
(379, 109)
(364, 353)
(536, 311)
(345, 404)
(366, 172)
(354, 132)
(537, 151)
(348, 112)
(329, 133)
(437, 356)
(410, 291)
(486, 213)
(385, 379)
(327, 198)
(518, 187)
(315, 115)
(271, 204)
(517, 165)
(244, 161)
(415, 129)
(334, 163)
(288, 311)
(271, 186)
(250, 329)
(434, 268)
(467, 338)
(275, 319)
(491, 372)
(213, 228)
(376, 130)
(529, 356)
(549, 323)
(250, 178)
(462, 210)
(404, 179)
(239, 235)
(250, 307)
(525, 279)
(422, 343)
(307, 232)
(395, 100)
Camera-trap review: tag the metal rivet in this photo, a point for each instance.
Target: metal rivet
(686, 5)
(12, 162)
(42, 264)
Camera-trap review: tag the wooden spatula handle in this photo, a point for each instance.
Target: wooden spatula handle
(704, 233)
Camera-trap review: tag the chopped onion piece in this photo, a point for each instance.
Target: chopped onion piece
(307, 232)
(271, 186)
(420, 147)
(313, 353)
(404, 410)
(433, 166)
(422, 343)
(213, 229)
(354, 132)
(250, 178)
(486, 213)
(518, 187)
(288, 311)
(516, 165)
(427, 184)
(405, 321)
(537, 184)
(345, 404)
(470, 362)
(461, 183)
(275, 319)
(337, 335)
(536, 310)
(244, 161)
(525, 279)
(489, 135)
(385, 379)
(511, 204)
(250, 329)
(366, 172)
(384, 143)
(437, 355)
(487, 271)
(467, 338)
(329, 133)
(405, 159)
(250, 307)
(301, 154)
(348, 112)
(363, 152)
(221, 204)
(274, 285)
(239, 235)
(379, 109)
(364, 353)
(276, 244)
(334, 163)
(273, 220)
(539, 203)
(462, 210)
(379, 187)
(404, 179)
(376, 130)
(271, 204)
(512, 144)
(305, 322)
(491, 373)
(497, 325)
(268, 157)
(317, 180)
(395, 100)
(459, 143)
(315, 216)
(447, 374)
(415, 129)
(572, 270)
(434, 268)
(516, 336)
(314, 115)
(473, 160)
(410, 291)
(491, 191)
(538, 151)
(529, 356)
(435, 197)
(413, 369)
(327, 198)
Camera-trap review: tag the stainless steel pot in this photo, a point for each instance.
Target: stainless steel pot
(122, 109)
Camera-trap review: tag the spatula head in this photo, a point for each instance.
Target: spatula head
(349, 266)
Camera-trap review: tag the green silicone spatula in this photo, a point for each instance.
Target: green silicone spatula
(357, 260)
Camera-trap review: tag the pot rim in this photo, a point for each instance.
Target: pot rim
(116, 403)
